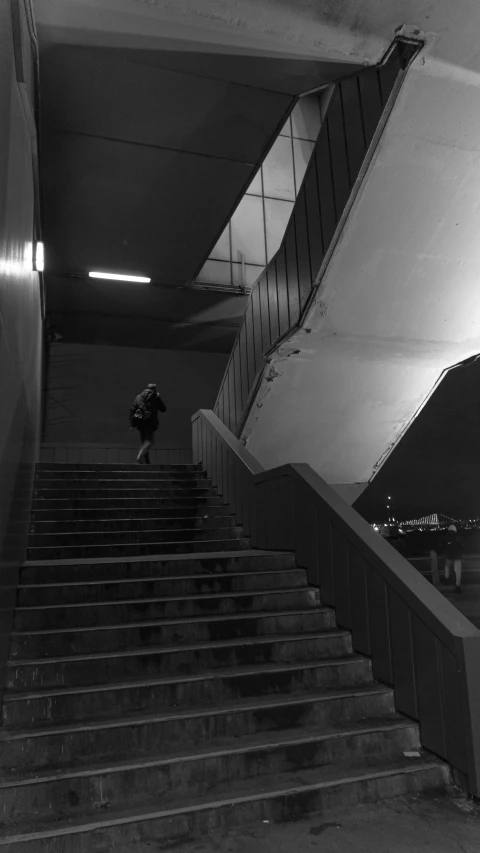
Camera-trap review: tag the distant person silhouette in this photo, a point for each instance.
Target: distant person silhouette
(453, 547)
(144, 417)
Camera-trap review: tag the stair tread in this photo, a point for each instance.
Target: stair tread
(168, 598)
(227, 672)
(126, 544)
(156, 578)
(243, 791)
(259, 614)
(276, 701)
(163, 558)
(153, 518)
(216, 749)
(87, 533)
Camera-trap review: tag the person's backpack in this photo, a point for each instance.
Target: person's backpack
(138, 414)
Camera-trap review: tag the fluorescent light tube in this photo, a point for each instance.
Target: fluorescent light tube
(117, 277)
(39, 257)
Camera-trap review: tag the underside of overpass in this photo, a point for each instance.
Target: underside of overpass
(149, 139)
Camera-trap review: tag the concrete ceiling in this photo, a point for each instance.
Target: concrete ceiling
(148, 141)
(151, 316)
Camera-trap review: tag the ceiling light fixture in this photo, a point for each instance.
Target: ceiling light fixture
(117, 277)
(39, 257)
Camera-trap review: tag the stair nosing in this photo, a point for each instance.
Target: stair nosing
(210, 675)
(140, 532)
(253, 704)
(260, 614)
(126, 544)
(393, 724)
(152, 518)
(91, 824)
(162, 578)
(160, 650)
(160, 558)
(29, 608)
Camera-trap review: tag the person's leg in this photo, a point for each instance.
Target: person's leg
(145, 444)
(457, 566)
(151, 438)
(448, 566)
(146, 437)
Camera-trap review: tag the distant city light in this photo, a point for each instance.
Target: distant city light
(118, 277)
(39, 257)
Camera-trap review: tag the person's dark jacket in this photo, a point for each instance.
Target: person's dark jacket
(149, 404)
(452, 545)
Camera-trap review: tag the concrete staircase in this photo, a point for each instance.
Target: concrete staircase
(165, 680)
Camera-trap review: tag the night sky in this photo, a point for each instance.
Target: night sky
(436, 466)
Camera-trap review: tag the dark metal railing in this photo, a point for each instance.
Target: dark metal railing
(354, 120)
(418, 642)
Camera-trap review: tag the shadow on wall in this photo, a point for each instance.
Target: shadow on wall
(436, 466)
(90, 389)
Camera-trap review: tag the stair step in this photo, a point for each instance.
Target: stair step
(48, 642)
(205, 519)
(62, 704)
(89, 488)
(107, 612)
(154, 661)
(167, 489)
(270, 797)
(70, 791)
(119, 568)
(77, 592)
(133, 549)
(114, 466)
(124, 503)
(133, 735)
(188, 533)
(58, 512)
(137, 473)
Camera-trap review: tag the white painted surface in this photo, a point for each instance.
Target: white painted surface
(400, 301)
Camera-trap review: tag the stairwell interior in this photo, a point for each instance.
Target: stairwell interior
(165, 679)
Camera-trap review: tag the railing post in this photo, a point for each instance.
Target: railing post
(468, 655)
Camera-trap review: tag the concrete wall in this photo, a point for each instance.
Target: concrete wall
(90, 390)
(20, 317)
(399, 302)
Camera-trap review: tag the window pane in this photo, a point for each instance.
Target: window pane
(215, 272)
(248, 236)
(278, 170)
(252, 271)
(306, 118)
(255, 187)
(221, 252)
(302, 151)
(277, 215)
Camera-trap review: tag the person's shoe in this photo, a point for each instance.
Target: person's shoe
(458, 588)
